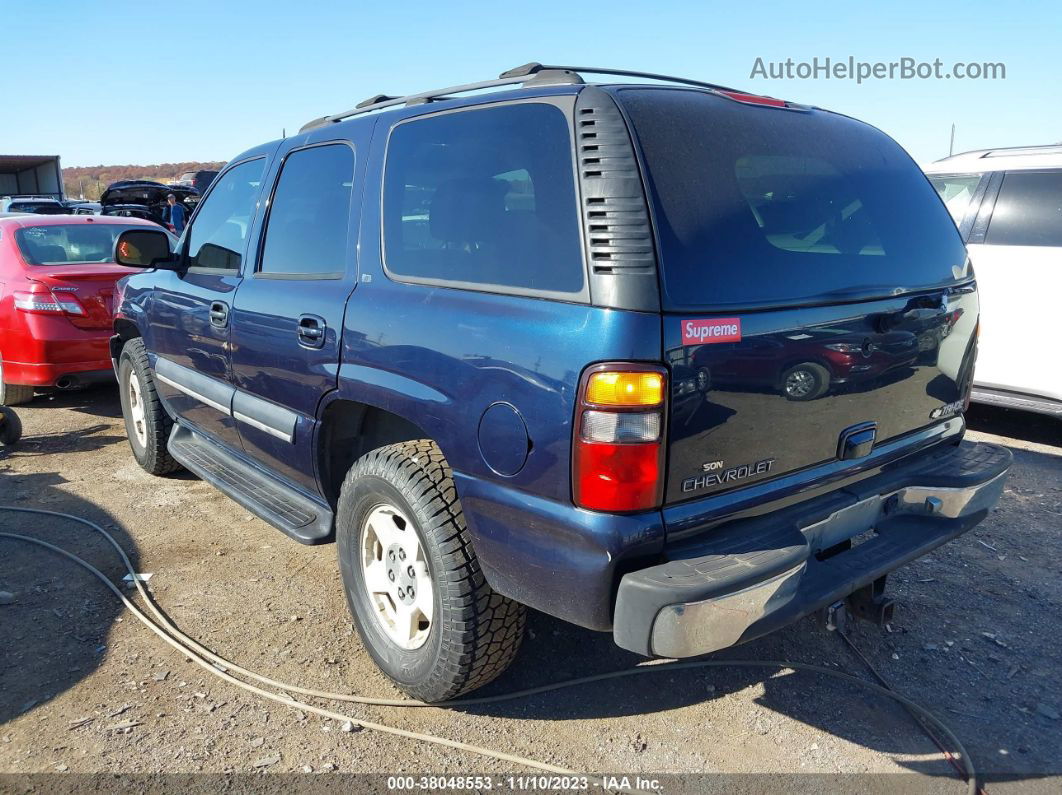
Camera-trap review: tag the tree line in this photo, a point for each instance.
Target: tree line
(91, 181)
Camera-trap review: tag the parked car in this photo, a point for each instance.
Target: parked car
(56, 291)
(145, 199)
(200, 180)
(1007, 204)
(41, 205)
(458, 353)
(81, 207)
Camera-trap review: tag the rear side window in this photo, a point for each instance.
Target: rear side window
(218, 233)
(956, 191)
(484, 197)
(306, 233)
(1028, 210)
(758, 206)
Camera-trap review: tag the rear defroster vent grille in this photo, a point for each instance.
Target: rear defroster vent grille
(615, 217)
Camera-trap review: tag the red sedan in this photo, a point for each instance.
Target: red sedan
(57, 282)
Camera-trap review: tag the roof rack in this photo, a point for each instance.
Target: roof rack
(1011, 151)
(380, 101)
(534, 68)
(532, 73)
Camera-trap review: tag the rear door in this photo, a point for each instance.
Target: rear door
(288, 314)
(1017, 255)
(813, 287)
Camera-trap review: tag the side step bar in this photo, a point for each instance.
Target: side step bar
(307, 520)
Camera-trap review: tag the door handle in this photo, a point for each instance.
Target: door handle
(311, 331)
(219, 314)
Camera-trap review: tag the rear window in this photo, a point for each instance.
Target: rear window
(69, 244)
(758, 206)
(40, 208)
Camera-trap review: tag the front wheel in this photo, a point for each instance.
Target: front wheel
(146, 422)
(420, 602)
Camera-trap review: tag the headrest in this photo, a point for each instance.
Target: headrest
(468, 210)
(45, 254)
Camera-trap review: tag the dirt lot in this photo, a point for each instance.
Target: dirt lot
(83, 688)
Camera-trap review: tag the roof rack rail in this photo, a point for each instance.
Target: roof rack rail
(380, 101)
(534, 68)
(532, 73)
(1010, 151)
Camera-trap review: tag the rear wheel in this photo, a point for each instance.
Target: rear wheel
(146, 422)
(420, 602)
(13, 394)
(805, 381)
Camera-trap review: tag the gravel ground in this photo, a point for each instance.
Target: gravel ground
(85, 688)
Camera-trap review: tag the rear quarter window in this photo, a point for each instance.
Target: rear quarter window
(1028, 210)
(484, 198)
(956, 191)
(760, 206)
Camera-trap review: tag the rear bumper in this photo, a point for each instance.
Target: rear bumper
(753, 576)
(61, 374)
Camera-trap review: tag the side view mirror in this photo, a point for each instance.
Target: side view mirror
(144, 248)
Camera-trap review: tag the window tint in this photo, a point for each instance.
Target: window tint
(1028, 210)
(956, 191)
(759, 206)
(308, 217)
(485, 196)
(216, 238)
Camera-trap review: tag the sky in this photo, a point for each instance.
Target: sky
(118, 82)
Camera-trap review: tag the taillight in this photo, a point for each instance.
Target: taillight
(618, 450)
(43, 300)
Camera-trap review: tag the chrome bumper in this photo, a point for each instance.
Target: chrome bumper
(908, 522)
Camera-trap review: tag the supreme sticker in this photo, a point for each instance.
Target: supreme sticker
(720, 329)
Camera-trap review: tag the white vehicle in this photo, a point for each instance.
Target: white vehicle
(1007, 204)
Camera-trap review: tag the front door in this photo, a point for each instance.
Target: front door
(189, 334)
(288, 315)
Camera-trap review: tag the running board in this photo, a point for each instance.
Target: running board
(305, 519)
(1011, 400)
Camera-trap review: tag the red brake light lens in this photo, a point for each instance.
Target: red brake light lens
(754, 99)
(44, 301)
(618, 450)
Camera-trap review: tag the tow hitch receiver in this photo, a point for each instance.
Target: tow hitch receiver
(871, 604)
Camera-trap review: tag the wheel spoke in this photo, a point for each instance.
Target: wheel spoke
(376, 577)
(424, 603)
(382, 525)
(408, 622)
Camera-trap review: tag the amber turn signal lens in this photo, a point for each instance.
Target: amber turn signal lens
(625, 388)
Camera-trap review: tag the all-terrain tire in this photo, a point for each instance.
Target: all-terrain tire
(149, 447)
(474, 632)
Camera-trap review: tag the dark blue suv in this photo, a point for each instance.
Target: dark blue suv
(661, 359)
